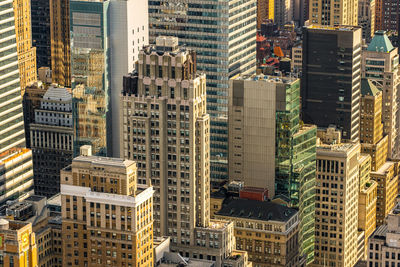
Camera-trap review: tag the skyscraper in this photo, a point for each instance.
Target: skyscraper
(13, 156)
(331, 78)
(60, 42)
(128, 34)
(252, 109)
(366, 18)
(336, 204)
(40, 13)
(223, 34)
(380, 65)
(90, 75)
(51, 140)
(26, 53)
(284, 11)
(391, 15)
(107, 218)
(11, 117)
(295, 155)
(333, 12)
(265, 10)
(166, 129)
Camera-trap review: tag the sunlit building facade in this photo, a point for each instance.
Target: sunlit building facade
(223, 34)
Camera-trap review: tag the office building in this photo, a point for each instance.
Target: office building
(128, 34)
(14, 158)
(30, 102)
(366, 18)
(387, 15)
(11, 117)
(336, 203)
(45, 217)
(16, 174)
(333, 12)
(166, 130)
(383, 245)
(265, 10)
(284, 12)
(18, 244)
(51, 140)
(26, 53)
(387, 177)
(60, 42)
(331, 78)
(223, 34)
(367, 198)
(391, 15)
(90, 75)
(266, 230)
(373, 142)
(107, 218)
(380, 65)
(40, 14)
(252, 101)
(295, 154)
(98, 67)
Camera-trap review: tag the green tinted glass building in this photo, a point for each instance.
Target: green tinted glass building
(295, 162)
(90, 75)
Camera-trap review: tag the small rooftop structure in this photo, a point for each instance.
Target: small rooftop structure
(57, 94)
(380, 43)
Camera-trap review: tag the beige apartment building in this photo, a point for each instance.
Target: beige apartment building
(333, 12)
(380, 65)
(26, 53)
(165, 128)
(336, 202)
(107, 217)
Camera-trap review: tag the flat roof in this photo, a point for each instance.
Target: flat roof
(257, 210)
(114, 162)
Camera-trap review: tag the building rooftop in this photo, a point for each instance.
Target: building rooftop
(380, 232)
(368, 88)
(57, 94)
(380, 43)
(257, 210)
(114, 162)
(384, 168)
(334, 28)
(266, 78)
(342, 147)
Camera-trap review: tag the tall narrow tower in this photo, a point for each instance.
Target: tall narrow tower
(13, 154)
(166, 129)
(331, 78)
(26, 53)
(60, 42)
(223, 34)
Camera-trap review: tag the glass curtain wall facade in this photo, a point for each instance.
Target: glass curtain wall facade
(295, 165)
(90, 81)
(40, 13)
(223, 34)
